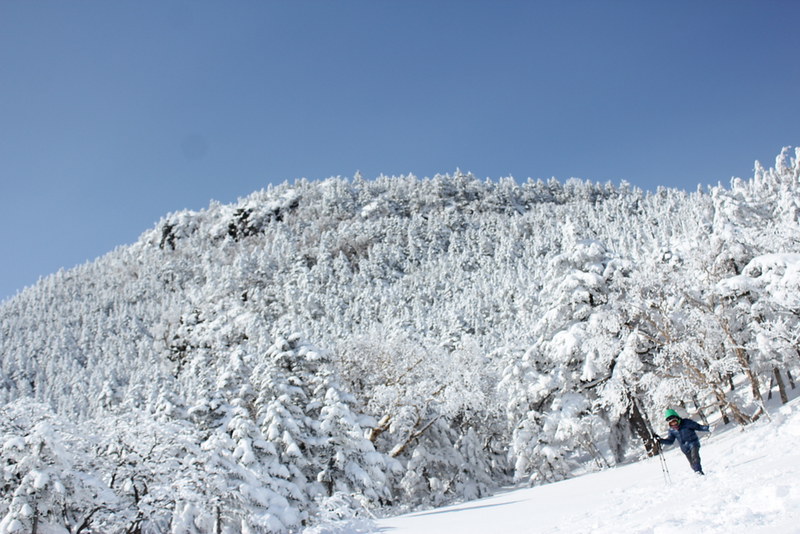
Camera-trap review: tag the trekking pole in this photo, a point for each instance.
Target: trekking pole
(664, 468)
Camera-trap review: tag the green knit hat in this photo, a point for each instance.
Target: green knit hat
(671, 413)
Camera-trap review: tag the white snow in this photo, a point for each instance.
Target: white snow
(752, 485)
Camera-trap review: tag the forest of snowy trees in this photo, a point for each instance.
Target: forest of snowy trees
(354, 347)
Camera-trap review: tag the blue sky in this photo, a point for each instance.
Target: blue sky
(113, 114)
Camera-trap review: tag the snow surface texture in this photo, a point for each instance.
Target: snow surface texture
(752, 485)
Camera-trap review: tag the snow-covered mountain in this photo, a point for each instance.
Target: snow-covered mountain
(355, 347)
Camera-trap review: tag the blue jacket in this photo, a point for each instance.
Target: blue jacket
(685, 434)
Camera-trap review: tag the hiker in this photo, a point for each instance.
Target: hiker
(684, 431)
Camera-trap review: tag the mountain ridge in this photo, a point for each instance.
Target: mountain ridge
(351, 344)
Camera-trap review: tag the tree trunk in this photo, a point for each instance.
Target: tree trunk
(592, 449)
(87, 521)
(400, 448)
(639, 424)
(699, 410)
(739, 416)
(744, 362)
(723, 414)
(781, 387)
(755, 386)
(383, 425)
(771, 385)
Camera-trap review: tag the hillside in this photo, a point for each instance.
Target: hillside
(367, 347)
(753, 485)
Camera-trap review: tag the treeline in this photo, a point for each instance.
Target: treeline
(321, 350)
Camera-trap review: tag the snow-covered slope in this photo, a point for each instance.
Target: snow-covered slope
(752, 485)
(350, 348)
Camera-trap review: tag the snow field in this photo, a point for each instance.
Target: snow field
(752, 485)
